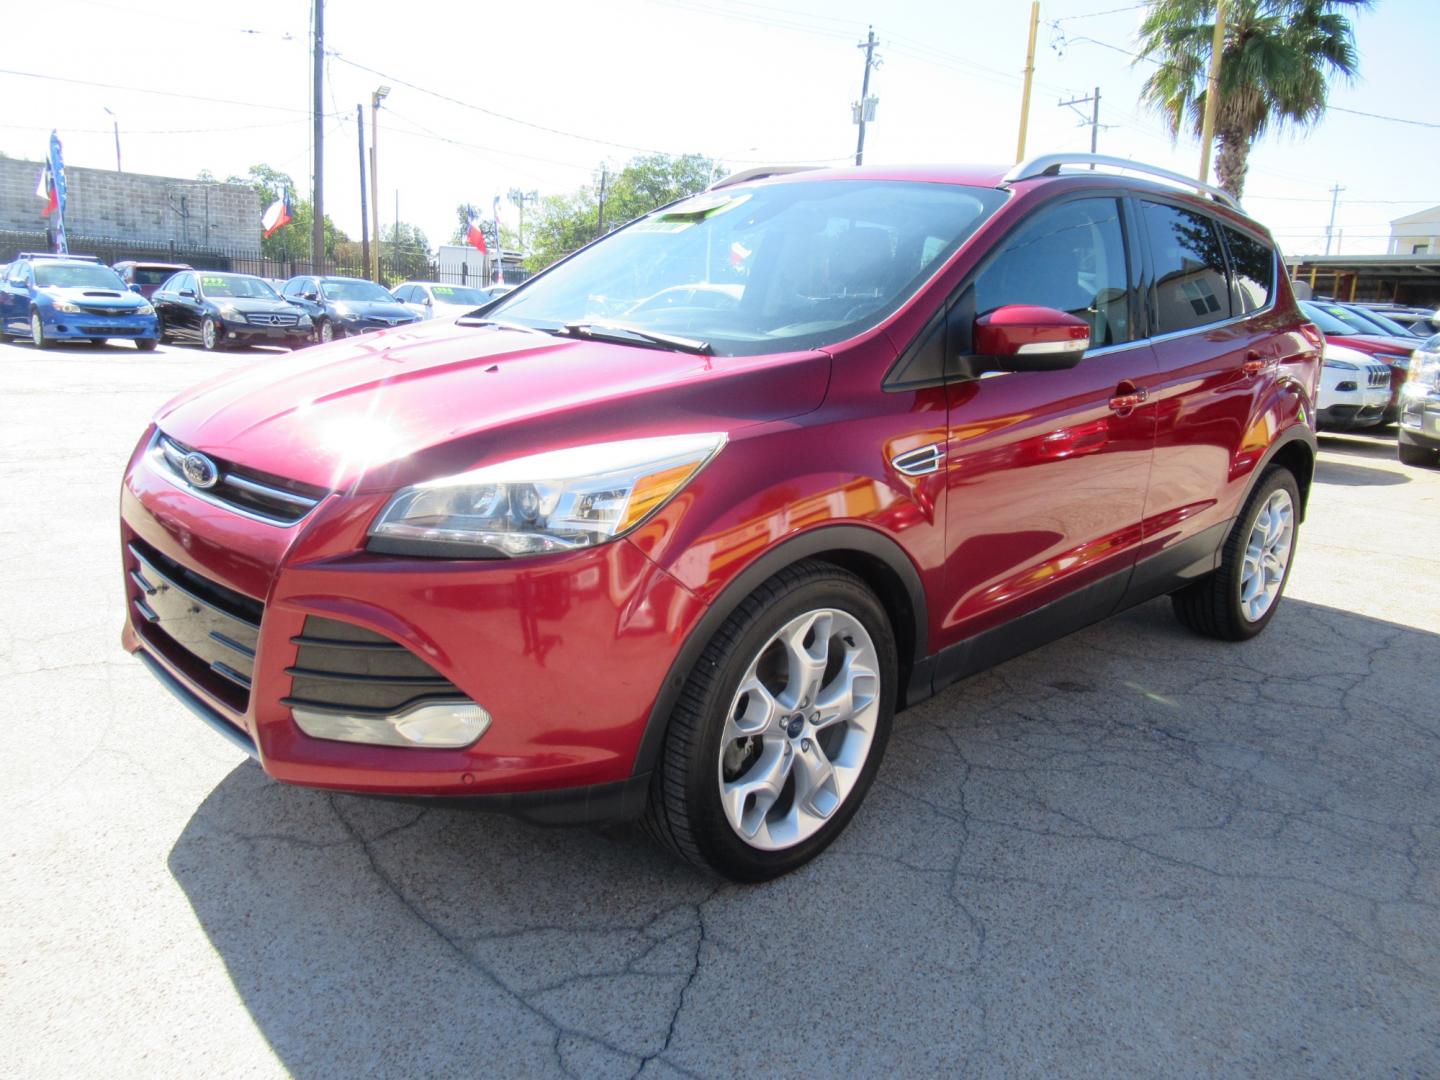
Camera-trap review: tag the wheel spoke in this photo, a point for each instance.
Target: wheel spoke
(806, 665)
(756, 711)
(749, 798)
(815, 789)
(852, 690)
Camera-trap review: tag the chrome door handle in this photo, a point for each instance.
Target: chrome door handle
(919, 462)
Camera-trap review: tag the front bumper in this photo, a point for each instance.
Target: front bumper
(1419, 423)
(250, 333)
(63, 326)
(566, 652)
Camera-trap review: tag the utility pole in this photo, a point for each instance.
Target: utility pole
(380, 94)
(364, 210)
(520, 198)
(1029, 78)
(1094, 101)
(866, 109)
(600, 229)
(116, 121)
(1212, 92)
(1334, 202)
(317, 114)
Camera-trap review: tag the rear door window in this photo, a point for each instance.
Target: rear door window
(1190, 289)
(1252, 271)
(1070, 257)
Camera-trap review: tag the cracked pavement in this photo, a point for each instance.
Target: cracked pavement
(1131, 852)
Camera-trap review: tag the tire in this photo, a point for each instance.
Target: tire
(324, 331)
(1238, 600)
(753, 807)
(1416, 455)
(209, 334)
(146, 344)
(37, 332)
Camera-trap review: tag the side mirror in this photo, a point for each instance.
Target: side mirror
(312, 297)
(188, 292)
(1026, 337)
(429, 302)
(134, 287)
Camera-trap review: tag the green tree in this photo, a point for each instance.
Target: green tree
(562, 223)
(293, 241)
(1275, 63)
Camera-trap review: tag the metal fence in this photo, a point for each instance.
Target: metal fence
(395, 266)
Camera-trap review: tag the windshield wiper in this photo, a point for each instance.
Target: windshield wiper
(632, 335)
(499, 324)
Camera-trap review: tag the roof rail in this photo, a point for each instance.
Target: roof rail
(57, 255)
(1049, 165)
(759, 174)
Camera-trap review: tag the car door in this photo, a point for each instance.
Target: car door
(15, 299)
(163, 300)
(186, 319)
(1217, 348)
(1047, 470)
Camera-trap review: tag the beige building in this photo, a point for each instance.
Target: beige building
(1416, 234)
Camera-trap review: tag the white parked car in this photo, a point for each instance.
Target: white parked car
(432, 299)
(1354, 390)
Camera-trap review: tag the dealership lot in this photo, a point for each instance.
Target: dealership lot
(1133, 851)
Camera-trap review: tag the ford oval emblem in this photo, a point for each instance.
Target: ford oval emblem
(200, 471)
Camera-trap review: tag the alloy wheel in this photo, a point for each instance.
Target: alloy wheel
(207, 333)
(799, 729)
(37, 331)
(1267, 555)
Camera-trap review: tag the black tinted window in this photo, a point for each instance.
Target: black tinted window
(1190, 288)
(1069, 257)
(1252, 271)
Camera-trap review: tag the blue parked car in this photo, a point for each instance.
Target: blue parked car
(50, 298)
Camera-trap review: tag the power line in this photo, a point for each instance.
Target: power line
(1096, 14)
(146, 90)
(150, 131)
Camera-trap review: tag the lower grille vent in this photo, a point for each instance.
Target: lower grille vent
(343, 668)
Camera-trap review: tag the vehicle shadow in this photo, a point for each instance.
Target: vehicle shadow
(1372, 443)
(1129, 848)
(1342, 473)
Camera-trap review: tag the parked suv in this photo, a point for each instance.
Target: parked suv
(688, 563)
(1418, 440)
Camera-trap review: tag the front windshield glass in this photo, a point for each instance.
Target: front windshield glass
(1386, 324)
(770, 268)
(1357, 324)
(356, 290)
(1327, 322)
(454, 294)
(77, 276)
(237, 285)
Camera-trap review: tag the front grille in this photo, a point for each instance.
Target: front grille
(1379, 376)
(111, 331)
(260, 318)
(346, 669)
(270, 498)
(101, 309)
(206, 630)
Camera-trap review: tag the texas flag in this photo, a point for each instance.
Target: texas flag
(475, 236)
(45, 189)
(277, 215)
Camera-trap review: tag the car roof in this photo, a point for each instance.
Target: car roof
(154, 265)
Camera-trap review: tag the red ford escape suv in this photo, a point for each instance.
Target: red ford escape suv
(581, 557)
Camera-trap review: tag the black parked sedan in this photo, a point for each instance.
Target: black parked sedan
(342, 305)
(218, 309)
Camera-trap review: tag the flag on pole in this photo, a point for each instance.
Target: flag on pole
(497, 277)
(475, 236)
(277, 215)
(45, 189)
(56, 168)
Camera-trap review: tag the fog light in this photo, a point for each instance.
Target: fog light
(446, 725)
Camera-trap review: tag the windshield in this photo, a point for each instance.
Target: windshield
(356, 290)
(87, 276)
(1327, 322)
(1386, 324)
(1357, 324)
(239, 285)
(773, 268)
(454, 294)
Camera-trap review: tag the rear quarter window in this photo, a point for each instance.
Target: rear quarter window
(1190, 288)
(1252, 271)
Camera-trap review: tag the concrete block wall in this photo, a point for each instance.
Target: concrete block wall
(136, 207)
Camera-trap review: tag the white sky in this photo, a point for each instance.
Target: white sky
(753, 82)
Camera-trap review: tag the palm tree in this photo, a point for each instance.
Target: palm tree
(1277, 58)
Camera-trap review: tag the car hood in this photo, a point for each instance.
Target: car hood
(250, 305)
(385, 309)
(433, 398)
(1373, 343)
(113, 298)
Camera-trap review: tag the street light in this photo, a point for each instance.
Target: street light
(116, 122)
(380, 94)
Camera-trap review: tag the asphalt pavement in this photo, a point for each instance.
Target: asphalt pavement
(1133, 852)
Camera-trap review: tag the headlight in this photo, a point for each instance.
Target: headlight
(231, 313)
(144, 309)
(555, 501)
(66, 306)
(304, 320)
(1395, 360)
(1424, 374)
(1341, 365)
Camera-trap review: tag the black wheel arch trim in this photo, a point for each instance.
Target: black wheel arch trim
(1298, 432)
(832, 540)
